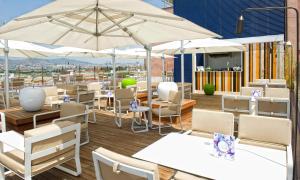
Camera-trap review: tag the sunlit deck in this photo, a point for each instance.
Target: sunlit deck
(105, 134)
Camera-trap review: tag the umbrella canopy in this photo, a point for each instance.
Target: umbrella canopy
(26, 50)
(208, 45)
(134, 53)
(101, 24)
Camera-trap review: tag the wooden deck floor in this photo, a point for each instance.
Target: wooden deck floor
(105, 134)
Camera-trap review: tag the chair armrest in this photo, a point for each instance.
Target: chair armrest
(188, 132)
(290, 163)
(69, 117)
(42, 114)
(3, 122)
(12, 139)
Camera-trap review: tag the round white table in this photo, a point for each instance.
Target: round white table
(141, 110)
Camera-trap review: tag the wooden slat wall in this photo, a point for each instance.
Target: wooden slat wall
(260, 60)
(223, 81)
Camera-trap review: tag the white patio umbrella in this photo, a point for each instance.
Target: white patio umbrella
(20, 49)
(134, 53)
(102, 24)
(208, 45)
(25, 49)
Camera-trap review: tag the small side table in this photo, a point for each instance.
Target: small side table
(138, 120)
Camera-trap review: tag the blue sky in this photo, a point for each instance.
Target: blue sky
(10, 9)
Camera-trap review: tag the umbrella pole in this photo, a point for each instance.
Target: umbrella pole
(182, 70)
(149, 88)
(6, 85)
(163, 67)
(114, 75)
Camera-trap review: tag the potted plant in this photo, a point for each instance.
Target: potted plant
(128, 82)
(209, 89)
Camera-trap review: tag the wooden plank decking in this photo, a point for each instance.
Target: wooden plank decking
(105, 134)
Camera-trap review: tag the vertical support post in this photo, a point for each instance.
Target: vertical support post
(149, 87)
(42, 76)
(6, 85)
(194, 64)
(182, 69)
(163, 61)
(114, 74)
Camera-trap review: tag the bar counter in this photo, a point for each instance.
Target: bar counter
(227, 81)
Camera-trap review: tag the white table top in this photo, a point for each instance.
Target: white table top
(194, 155)
(13, 138)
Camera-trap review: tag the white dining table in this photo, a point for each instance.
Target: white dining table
(195, 155)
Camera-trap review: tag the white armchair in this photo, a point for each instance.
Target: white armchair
(268, 132)
(206, 123)
(41, 149)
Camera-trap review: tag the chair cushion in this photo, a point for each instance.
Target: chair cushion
(212, 121)
(69, 109)
(164, 112)
(236, 104)
(107, 173)
(124, 94)
(202, 134)
(14, 160)
(278, 92)
(184, 176)
(270, 106)
(247, 91)
(50, 91)
(265, 129)
(85, 97)
(51, 142)
(263, 144)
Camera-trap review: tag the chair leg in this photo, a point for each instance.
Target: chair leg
(78, 165)
(97, 167)
(94, 113)
(2, 175)
(77, 172)
(28, 178)
(159, 125)
(118, 119)
(180, 124)
(87, 138)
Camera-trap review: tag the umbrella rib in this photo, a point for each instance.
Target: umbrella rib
(77, 24)
(70, 25)
(176, 18)
(40, 54)
(24, 26)
(110, 35)
(115, 24)
(123, 29)
(166, 24)
(86, 9)
(97, 30)
(129, 25)
(22, 52)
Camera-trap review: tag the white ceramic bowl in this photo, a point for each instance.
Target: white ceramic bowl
(32, 98)
(164, 88)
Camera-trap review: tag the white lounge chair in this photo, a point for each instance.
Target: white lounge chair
(112, 166)
(42, 149)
